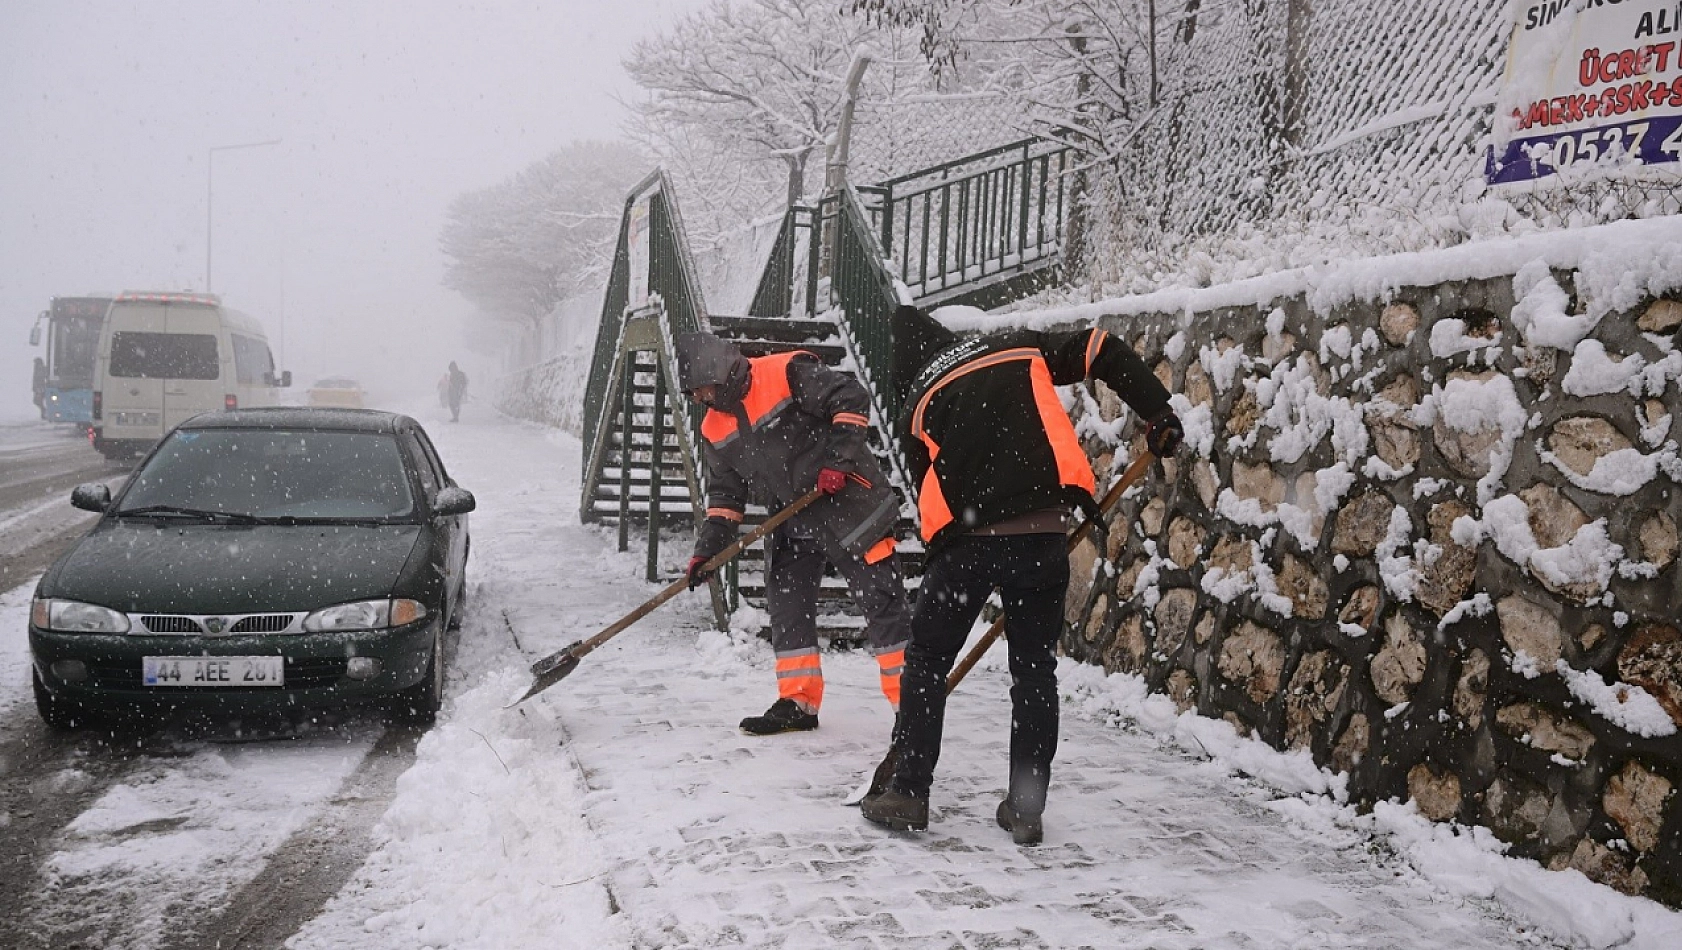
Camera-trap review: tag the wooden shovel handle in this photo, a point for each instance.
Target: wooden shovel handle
(1133, 473)
(583, 648)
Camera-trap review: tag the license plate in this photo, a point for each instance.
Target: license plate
(239, 671)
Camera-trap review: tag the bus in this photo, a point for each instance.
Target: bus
(64, 376)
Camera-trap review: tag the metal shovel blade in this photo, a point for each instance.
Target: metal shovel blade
(547, 672)
(878, 780)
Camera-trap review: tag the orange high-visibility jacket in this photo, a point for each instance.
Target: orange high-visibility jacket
(985, 435)
(798, 416)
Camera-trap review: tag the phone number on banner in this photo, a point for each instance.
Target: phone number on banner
(1650, 141)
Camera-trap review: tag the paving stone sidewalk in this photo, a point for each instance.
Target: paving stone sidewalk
(721, 839)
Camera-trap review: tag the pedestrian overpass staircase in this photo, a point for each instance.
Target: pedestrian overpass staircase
(981, 231)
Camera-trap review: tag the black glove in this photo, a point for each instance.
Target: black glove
(696, 576)
(1165, 435)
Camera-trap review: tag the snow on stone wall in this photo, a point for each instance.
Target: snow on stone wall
(1429, 534)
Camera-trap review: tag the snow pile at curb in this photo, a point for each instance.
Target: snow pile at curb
(484, 845)
(1467, 862)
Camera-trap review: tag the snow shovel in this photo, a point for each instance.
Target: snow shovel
(885, 769)
(555, 667)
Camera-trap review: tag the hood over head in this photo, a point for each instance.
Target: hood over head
(918, 338)
(706, 360)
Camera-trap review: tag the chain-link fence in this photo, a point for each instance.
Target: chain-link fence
(1290, 132)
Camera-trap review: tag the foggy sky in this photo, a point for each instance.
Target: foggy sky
(386, 111)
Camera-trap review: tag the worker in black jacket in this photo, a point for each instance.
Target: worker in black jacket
(999, 469)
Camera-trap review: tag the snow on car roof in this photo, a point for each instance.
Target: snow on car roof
(295, 417)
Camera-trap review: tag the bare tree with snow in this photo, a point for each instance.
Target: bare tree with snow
(519, 247)
(762, 80)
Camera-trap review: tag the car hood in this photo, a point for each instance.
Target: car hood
(142, 566)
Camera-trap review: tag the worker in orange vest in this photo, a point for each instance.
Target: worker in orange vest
(776, 427)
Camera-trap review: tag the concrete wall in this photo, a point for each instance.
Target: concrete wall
(1395, 550)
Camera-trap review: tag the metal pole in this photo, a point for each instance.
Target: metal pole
(836, 174)
(210, 197)
(626, 425)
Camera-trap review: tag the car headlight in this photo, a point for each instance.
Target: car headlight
(365, 615)
(71, 616)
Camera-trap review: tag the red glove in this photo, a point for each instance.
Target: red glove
(831, 480)
(696, 576)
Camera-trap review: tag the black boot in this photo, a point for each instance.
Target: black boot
(1024, 828)
(897, 810)
(783, 716)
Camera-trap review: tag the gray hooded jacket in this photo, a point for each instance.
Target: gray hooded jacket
(775, 422)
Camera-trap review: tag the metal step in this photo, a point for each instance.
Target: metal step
(778, 329)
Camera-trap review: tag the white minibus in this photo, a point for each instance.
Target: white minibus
(165, 357)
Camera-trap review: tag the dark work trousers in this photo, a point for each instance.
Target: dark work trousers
(795, 559)
(1031, 572)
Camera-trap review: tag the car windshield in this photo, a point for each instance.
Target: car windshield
(275, 474)
(336, 384)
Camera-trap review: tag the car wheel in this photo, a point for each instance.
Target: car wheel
(459, 603)
(57, 713)
(418, 705)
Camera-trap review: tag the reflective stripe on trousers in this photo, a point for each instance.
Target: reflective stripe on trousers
(890, 664)
(800, 678)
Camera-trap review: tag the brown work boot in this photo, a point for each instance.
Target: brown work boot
(896, 810)
(785, 715)
(1023, 828)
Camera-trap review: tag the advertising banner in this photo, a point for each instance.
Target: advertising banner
(1591, 86)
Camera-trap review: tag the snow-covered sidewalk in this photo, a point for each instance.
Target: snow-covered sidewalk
(624, 809)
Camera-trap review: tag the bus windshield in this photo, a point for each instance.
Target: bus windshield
(74, 342)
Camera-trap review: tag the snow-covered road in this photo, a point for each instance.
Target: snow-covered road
(623, 809)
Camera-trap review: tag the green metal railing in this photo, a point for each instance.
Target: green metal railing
(992, 214)
(864, 292)
(670, 277)
(948, 230)
(633, 376)
(607, 335)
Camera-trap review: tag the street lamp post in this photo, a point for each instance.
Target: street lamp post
(210, 197)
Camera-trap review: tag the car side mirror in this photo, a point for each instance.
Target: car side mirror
(35, 335)
(453, 501)
(285, 379)
(94, 496)
(282, 381)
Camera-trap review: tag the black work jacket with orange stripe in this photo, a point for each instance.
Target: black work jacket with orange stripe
(797, 417)
(985, 435)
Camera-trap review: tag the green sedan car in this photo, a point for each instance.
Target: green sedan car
(259, 560)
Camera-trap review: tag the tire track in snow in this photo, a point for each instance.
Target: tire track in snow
(50, 779)
(317, 860)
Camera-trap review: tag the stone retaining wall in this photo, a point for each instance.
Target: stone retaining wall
(1433, 541)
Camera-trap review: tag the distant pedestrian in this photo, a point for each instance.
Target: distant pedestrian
(999, 467)
(457, 391)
